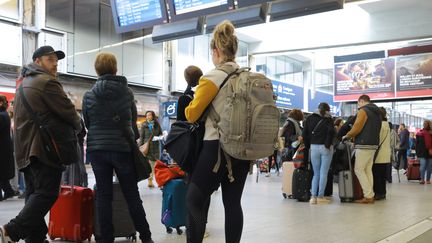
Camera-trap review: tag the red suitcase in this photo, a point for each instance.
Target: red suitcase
(413, 171)
(71, 217)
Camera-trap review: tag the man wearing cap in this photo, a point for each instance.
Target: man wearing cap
(42, 175)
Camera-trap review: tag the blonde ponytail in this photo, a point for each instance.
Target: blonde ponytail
(225, 40)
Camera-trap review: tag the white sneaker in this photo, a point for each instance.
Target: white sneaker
(206, 234)
(313, 200)
(3, 237)
(322, 200)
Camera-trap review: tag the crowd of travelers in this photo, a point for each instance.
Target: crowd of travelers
(110, 102)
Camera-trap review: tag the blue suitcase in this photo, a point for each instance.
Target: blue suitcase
(174, 211)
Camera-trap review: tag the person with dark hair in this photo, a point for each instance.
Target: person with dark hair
(424, 152)
(192, 75)
(7, 163)
(150, 129)
(383, 158)
(107, 106)
(45, 95)
(365, 131)
(292, 131)
(318, 136)
(404, 145)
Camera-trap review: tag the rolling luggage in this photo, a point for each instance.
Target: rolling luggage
(301, 184)
(349, 186)
(413, 170)
(71, 217)
(174, 211)
(288, 170)
(121, 219)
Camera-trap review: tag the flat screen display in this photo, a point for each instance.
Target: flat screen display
(245, 3)
(184, 9)
(132, 15)
(375, 77)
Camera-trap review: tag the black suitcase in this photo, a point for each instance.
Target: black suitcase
(121, 219)
(301, 184)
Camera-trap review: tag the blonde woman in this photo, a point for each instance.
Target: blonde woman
(204, 181)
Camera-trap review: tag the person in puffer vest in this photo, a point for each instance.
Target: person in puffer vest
(365, 131)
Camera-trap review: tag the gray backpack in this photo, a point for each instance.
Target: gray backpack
(249, 122)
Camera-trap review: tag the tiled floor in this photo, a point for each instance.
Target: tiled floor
(271, 218)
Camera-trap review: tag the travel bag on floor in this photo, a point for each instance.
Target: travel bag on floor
(287, 175)
(301, 184)
(71, 217)
(413, 170)
(121, 219)
(174, 211)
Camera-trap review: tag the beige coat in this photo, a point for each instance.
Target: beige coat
(384, 154)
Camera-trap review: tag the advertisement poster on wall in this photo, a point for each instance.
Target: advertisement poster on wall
(414, 76)
(288, 96)
(375, 77)
(319, 97)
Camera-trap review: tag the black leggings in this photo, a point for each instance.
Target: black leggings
(270, 159)
(204, 182)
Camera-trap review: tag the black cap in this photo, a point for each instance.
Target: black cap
(46, 50)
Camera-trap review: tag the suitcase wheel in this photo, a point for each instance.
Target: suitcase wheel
(284, 195)
(179, 231)
(169, 230)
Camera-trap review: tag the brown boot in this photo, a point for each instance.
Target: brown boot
(150, 183)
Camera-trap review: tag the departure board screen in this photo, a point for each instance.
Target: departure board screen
(137, 14)
(194, 8)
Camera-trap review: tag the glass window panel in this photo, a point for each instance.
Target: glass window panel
(9, 9)
(153, 63)
(86, 38)
(11, 47)
(59, 14)
(110, 41)
(133, 61)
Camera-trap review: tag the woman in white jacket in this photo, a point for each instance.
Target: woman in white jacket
(382, 159)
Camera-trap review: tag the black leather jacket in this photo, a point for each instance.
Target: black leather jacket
(109, 96)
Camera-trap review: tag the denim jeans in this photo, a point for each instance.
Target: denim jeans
(104, 163)
(42, 189)
(425, 167)
(321, 159)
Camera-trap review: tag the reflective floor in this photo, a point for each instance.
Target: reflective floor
(268, 217)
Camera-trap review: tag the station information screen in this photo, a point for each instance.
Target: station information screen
(137, 14)
(183, 9)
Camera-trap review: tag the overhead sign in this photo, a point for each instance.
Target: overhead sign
(288, 95)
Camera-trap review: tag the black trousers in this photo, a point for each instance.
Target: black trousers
(42, 190)
(270, 159)
(204, 182)
(379, 172)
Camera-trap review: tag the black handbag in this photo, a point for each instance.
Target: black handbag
(184, 143)
(59, 139)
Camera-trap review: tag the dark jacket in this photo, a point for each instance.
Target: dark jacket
(47, 98)
(183, 102)
(7, 163)
(109, 96)
(421, 146)
(154, 149)
(371, 129)
(324, 132)
(404, 139)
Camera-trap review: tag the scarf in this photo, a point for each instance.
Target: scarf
(296, 126)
